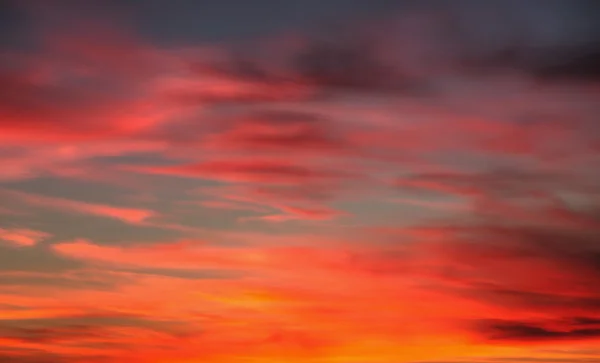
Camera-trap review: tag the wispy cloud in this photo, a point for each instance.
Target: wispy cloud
(127, 215)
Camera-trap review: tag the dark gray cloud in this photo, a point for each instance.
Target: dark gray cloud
(520, 331)
(409, 48)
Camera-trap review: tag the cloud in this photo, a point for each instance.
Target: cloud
(53, 336)
(274, 203)
(34, 108)
(575, 64)
(527, 267)
(524, 331)
(126, 215)
(495, 183)
(484, 132)
(403, 52)
(352, 66)
(269, 171)
(22, 237)
(173, 256)
(297, 214)
(285, 131)
(80, 337)
(292, 213)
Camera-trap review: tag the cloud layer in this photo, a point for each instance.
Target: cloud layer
(413, 182)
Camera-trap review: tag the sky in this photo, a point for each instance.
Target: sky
(340, 181)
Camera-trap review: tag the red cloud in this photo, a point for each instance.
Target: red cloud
(279, 131)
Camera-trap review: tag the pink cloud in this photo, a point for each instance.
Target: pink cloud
(271, 171)
(290, 213)
(127, 215)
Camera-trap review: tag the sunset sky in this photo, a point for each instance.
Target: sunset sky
(310, 181)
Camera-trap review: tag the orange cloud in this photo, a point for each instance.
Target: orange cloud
(22, 237)
(328, 299)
